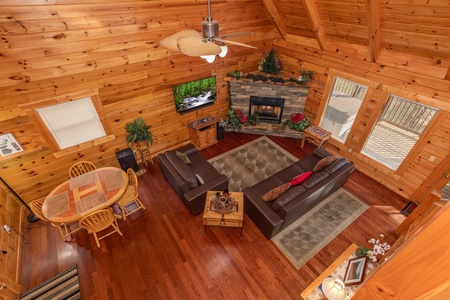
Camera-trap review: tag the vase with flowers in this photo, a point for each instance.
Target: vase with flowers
(297, 122)
(376, 251)
(236, 118)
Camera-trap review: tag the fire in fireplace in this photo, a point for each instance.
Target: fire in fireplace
(269, 110)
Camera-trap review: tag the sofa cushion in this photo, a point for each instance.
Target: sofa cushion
(265, 186)
(315, 179)
(337, 164)
(183, 157)
(300, 178)
(321, 164)
(199, 165)
(275, 192)
(288, 173)
(185, 172)
(286, 197)
(200, 179)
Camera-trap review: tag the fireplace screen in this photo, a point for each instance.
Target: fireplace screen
(269, 110)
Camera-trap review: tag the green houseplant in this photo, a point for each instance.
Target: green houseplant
(253, 119)
(138, 131)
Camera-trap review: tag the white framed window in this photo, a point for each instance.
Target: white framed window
(72, 123)
(342, 107)
(398, 128)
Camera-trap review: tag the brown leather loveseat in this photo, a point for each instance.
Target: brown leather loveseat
(191, 180)
(272, 217)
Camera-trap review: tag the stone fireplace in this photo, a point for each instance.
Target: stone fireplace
(248, 96)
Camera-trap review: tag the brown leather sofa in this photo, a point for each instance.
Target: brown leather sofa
(274, 216)
(191, 180)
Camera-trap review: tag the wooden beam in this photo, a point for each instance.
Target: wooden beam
(316, 22)
(373, 28)
(268, 4)
(296, 39)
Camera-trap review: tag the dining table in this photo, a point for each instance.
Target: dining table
(79, 196)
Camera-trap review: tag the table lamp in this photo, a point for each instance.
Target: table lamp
(334, 289)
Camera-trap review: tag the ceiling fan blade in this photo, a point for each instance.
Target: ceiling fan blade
(236, 34)
(194, 46)
(170, 42)
(234, 43)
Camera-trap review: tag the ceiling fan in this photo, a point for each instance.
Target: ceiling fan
(206, 44)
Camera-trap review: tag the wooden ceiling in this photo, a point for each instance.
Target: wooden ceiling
(414, 27)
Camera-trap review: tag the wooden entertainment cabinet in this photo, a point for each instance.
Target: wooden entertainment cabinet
(203, 132)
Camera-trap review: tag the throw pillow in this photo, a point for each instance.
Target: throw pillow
(275, 192)
(300, 178)
(200, 179)
(324, 162)
(183, 156)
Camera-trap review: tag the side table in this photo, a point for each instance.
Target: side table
(233, 219)
(317, 135)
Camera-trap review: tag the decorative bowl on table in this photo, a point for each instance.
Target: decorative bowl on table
(223, 204)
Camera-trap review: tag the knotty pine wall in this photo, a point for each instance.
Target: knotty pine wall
(62, 48)
(416, 78)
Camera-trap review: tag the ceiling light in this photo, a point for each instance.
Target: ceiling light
(224, 50)
(209, 58)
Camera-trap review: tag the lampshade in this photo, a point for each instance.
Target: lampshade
(209, 58)
(334, 289)
(224, 51)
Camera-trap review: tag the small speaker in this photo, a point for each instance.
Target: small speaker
(220, 131)
(126, 159)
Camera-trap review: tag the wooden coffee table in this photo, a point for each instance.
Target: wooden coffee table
(233, 219)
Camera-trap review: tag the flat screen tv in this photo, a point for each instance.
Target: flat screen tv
(194, 95)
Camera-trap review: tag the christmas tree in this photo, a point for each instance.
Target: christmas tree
(270, 65)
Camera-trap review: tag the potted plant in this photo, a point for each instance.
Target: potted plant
(235, 119)
(253, 119)
(138, 134)
(297, 122)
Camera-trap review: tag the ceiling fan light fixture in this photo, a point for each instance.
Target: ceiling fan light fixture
(209, 58)
(210, 28)
(224, 50)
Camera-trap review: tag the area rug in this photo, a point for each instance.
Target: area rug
(63, 286)
(250, 163)
(301, 240)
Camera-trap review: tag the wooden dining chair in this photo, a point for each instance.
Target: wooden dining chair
(80, 168)
(98, 221)
(130, 202)
(64, 229)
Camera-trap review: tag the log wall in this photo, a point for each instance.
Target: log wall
(395, 73)
(53, 49)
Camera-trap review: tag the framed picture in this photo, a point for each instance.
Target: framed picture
(9, 145)
(356, 270)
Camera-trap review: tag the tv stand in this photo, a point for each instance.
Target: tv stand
(203, 132)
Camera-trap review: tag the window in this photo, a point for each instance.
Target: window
(397, 130)
(342, 107)
(72, 123)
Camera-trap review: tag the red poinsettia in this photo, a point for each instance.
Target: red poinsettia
(298, 117)
(236, 119)
(298, 122)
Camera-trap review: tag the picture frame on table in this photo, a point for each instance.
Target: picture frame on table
(356, 270)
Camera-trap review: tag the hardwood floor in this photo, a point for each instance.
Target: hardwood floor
(164, 253)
